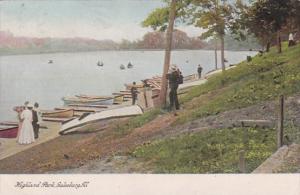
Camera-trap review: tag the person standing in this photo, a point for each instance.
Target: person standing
(173, 77)
(199, 70)
(26, 134)
(291, 40)
(36, 120)
(134, 93)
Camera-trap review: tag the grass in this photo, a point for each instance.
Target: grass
(123, 128)
(217, 151)
(214, 151)
(264, 78)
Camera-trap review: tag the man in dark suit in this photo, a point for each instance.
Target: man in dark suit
(134, 93)
(173, 76)
(35, 120)
(199, 70)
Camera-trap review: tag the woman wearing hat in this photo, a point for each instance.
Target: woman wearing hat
(26, 134)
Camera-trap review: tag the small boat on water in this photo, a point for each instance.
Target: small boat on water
(129, 65)
(50, 62)
(122, 67)
(8, 131)
(88, 118)
(100, 63)
(66, 113)
(88, 101)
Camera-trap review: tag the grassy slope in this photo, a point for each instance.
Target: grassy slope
(265, 78)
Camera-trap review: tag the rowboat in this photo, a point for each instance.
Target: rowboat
(15, 123)
(66, 113)
(8, 131)
(122, 67)
(88, 101)
(88, 118)
(129, 65)
(93, 96)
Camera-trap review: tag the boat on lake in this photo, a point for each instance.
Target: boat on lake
(88, 101)
(66, 113)
(129, 65)
(50, 62)
(8, 131)
(100, 63)
(122, 67)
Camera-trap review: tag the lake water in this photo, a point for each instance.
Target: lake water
(32, 78)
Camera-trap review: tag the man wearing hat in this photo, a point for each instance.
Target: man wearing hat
(173, 77)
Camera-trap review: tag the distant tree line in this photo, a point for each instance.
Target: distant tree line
(157, 40)
(9, 44)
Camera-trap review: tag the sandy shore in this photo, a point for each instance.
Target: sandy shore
(10, 147)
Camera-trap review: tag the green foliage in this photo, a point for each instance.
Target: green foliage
(265, 18)
(157, 19)
(291, 133)
(138, 121)
(215, 151)
(211, 15)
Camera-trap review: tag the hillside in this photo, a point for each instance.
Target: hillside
(204, 137)
(220, 102)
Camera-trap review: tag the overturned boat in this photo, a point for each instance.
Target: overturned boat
(89, 118)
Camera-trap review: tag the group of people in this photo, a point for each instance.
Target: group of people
(29, 123)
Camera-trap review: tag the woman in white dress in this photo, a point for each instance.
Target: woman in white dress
(26, 134)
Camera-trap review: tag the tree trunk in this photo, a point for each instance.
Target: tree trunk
(279, 42)
(222, 53)
(216, 54)
(164, 82)
(268, 46)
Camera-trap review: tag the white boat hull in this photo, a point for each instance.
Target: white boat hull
(106, 114)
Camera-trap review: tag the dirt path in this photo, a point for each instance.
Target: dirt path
(97, 151)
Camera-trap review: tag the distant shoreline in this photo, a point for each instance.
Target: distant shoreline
(116, 50)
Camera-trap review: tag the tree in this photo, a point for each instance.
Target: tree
(293, 22)
(266, 18)
(157, 19)
(213, 16)
(153, 40)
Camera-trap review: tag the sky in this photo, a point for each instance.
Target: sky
(97, 19)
